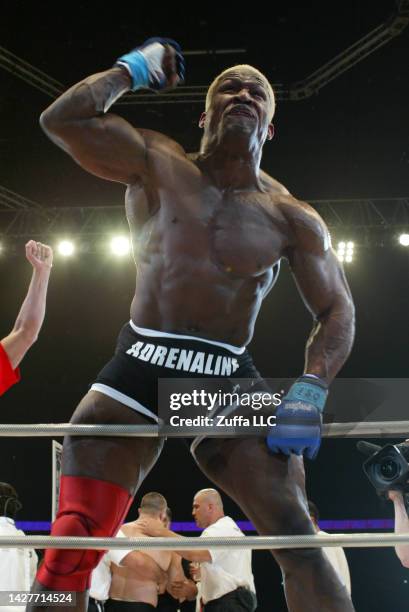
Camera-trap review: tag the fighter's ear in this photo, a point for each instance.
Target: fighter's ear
(202, 120)
(270, 131)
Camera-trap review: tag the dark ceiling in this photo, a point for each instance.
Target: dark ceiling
(349, 140)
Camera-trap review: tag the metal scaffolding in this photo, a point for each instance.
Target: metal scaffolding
(299, 90)
(369, 222)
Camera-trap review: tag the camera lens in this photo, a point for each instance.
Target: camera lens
(389, 469)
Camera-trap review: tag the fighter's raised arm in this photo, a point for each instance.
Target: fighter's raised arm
(104, 144)
(30, 317)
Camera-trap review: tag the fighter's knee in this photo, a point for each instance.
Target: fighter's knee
(87, 508)
(291, 513)
(293, 560)
(68, 562)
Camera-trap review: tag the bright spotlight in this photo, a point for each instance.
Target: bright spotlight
(66, 248)
(120, 245)
(345, 251)
(404, 239)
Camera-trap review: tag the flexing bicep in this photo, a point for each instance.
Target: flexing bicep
(107, 146)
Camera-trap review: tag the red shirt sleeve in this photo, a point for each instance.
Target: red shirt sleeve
(8, 376)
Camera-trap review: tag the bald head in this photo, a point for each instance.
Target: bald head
(210, 496)
(249, 71)
(207, 507)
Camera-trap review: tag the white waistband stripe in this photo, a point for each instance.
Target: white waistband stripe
(124, 399)
(153, 333)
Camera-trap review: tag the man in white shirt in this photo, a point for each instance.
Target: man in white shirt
(17, 565)
(227, 582)
(335, 554)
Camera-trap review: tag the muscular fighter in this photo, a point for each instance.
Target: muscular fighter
(30, 318)
(129, 589)
(208, 233)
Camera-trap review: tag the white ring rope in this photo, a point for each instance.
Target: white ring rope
(375, 429)
(355, 540)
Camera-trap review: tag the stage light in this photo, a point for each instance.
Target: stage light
(404, 240)
(120, 246)
(66, 248)
(345, 251)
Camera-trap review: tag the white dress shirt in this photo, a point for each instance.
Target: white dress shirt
(339, 562)
(230, 568)
(18, 566)
(101, 576)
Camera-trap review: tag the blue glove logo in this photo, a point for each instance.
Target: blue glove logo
(299, 420)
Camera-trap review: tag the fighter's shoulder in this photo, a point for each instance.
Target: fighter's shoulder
(292, 208)
(127, 529)
(307, 229)
(271, 185)
(158, 141)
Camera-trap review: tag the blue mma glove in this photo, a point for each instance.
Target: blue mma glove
(299, 419)
(145, 64)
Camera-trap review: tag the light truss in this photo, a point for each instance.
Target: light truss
(299, 90)
(367, 221)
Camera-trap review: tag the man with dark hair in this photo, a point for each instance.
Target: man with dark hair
(30, 318)
(17, 565)
(208, 233)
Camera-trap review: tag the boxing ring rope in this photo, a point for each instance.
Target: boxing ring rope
(355, 540)
(374, 429)
(378, 429)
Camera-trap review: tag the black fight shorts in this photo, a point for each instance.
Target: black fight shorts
(143, 356)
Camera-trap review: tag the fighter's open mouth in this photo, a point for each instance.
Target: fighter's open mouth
(241, 111)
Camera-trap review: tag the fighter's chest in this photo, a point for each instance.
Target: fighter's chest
(236, 229)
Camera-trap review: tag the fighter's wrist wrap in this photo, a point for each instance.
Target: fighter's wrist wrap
(309, 389)
(135, 63)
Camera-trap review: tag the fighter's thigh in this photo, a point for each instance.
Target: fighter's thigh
(235, 460)
(261, 483)
(122, 460)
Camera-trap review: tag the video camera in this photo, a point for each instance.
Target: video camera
(387, 467)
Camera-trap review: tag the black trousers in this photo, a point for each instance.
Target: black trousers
(114, 605)
(240, 600)
(94, 605)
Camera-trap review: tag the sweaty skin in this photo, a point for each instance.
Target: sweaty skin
(206, 231)
(126, 584)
